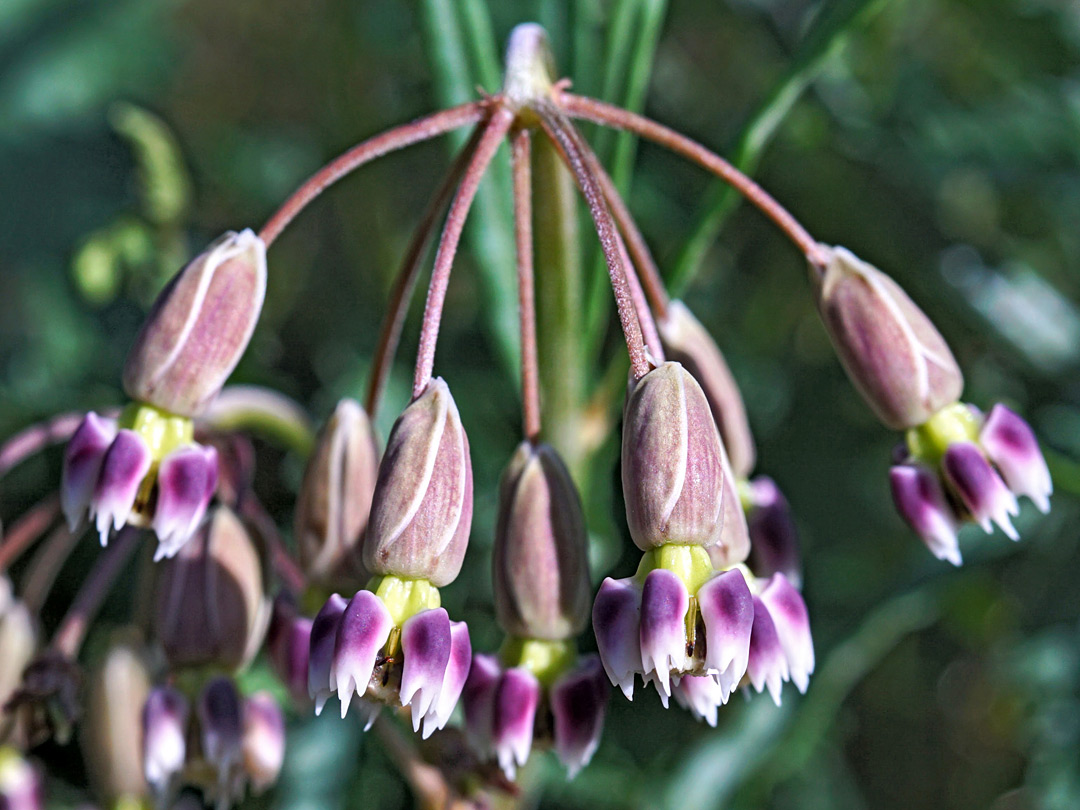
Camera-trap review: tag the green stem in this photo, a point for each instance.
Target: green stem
(559, 304)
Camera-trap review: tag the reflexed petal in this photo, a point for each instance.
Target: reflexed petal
(126, 463)
(164, 724)
(364, 628)
(728, 611)
(664, 602)
(222, 726)
(792, 622)
(289, 648)
(768, 664)
(264, 740)
(1010, 443)
(774, 541)
(457, 670)
(186, 482)
(979, 487)
(701, 695)
(616, 623)
(921, 502)
(478, 700)
(512, 722)
(83, 457)
(578, 702)
(425, 644)
(324, 630)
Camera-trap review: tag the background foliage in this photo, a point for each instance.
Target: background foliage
(936, 138)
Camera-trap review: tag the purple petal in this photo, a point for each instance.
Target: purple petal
(83, 457)
(774, 541)
(979, 487)
(921, 502)
(425, 644)
(702, 696)
(321, 658)
(362, 632)
(768, 664)
(126, 463)
(578, 702)
(512, 722)
(478, 700)
(728, 611)
(164, 725)
(664, 602)
(186, 482)
(616, 620)
(1010, 443)
(222, 727)
(792, 622)
(289, 646)
(264, 740)
(457, 670)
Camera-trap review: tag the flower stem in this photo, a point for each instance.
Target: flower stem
(280, 559)
(530, 369)
(405, 281)
(45, 565)
(562, 133)
(91, 596)
(36, 438)
(497, 128)
(422, 129)
(649, 273)
(28, 528)
(612, 116)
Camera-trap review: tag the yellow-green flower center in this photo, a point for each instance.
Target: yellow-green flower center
(544, 658)
(953, 423)
(691, 564)
(404, 598)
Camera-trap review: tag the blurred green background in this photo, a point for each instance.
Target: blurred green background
(938, 139)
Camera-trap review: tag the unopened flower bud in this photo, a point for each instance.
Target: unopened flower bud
(164, 737)
(672, 461)
(199, 327)
(422, 507)
(731, 545)
(335, 496)
(264, 740)
(891, 351)
(211, 608)
(688, 342)
(112, 734)
(540, 560)
(18, 640)
(288, 643)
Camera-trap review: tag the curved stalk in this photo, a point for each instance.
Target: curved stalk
(36, 438)
(561, 132)
(28, 528)
(422, 129)
(405, 281)
(612, 116)
(497, 128)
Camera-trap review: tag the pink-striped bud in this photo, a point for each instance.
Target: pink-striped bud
(672, 462)
(891, 351)
(421, 511)
(199, 327)
(335, 497)
(211, 607)
(540, 560)
(688, 342)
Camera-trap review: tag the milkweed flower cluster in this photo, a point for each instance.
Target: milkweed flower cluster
(353, 608)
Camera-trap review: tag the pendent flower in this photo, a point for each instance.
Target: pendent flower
(393, 642)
